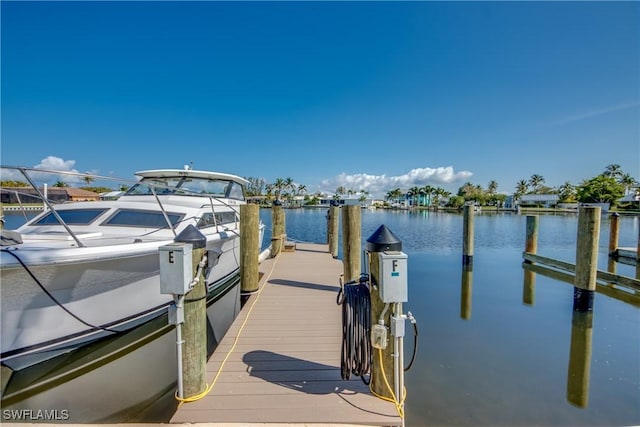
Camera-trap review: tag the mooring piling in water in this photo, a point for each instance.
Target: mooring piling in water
(467, 235)
(614, 231)
(249, 247)
(586, 257)
(351, 246)
(531, 241)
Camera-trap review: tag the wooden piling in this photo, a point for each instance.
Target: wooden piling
(351, 242)
(467, 235)
(333, 229)
(531, 242)
(614, 231)
(586, 258)
(278, 230)
(382, 363)
(249, 247)
(529, 287)
(580, 359)
(194, 329)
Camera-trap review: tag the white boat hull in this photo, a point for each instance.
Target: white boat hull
(88, 300)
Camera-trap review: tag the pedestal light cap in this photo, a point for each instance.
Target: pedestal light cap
(192, 235)
(383, 240)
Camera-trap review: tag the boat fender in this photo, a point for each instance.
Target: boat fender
(10, 238)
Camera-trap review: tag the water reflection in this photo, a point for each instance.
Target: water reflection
(466, 293)
(529, 287)
(579, 366)
(580, 358)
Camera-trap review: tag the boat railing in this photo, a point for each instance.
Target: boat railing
(156, 190)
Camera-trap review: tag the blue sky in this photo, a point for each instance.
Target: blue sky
(369, 95)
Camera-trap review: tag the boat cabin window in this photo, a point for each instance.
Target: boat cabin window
(235, 192)
(140, 218)
(71, 217)
(187, 186)
(219, 218)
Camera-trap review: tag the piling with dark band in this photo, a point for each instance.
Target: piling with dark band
(586, 258)
(531, 242)
(467, 235)
(614, 231)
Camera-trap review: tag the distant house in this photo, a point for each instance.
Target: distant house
(540, 200)
(16, 195)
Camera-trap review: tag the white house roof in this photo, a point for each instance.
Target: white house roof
(539, 198)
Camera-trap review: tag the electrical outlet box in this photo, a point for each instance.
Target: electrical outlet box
(393, 276)
(379, 336)
(176, 267)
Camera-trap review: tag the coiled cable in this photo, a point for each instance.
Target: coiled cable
(356, 329)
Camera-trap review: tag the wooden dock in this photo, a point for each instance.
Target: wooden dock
(285, 365)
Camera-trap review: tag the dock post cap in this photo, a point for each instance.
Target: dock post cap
(192, 235)
(383, 240)
(616, 214)
(277, 202)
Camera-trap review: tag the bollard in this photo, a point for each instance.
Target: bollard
(351, 236)
(249, 247)
(580, 358)
(467, 235)
(194, 330)
(333, 229)
(278, 229)
(586, 258)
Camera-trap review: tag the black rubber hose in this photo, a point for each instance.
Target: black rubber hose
(356, 352)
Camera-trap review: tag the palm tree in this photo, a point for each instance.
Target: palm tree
(341, 190)
(567, 192)
(413, 191)
(628, 181)
(536, 182)
(613, 170)
(279, 185)
(60, 184)
(88, 179)
(522, 187)
(492, 187)
(269, 190)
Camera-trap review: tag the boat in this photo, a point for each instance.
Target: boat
(84, 271)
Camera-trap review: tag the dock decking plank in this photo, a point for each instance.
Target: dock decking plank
(285, 366)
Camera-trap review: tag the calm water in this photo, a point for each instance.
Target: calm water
(484, 356)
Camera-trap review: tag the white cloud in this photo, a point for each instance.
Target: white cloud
(49, 163)
(57, 164)
(378, 185)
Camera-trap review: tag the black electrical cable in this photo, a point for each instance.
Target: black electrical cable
(415, 346)
(356, 352)
(58, 303)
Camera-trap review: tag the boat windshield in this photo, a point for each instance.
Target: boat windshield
(187, 186)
